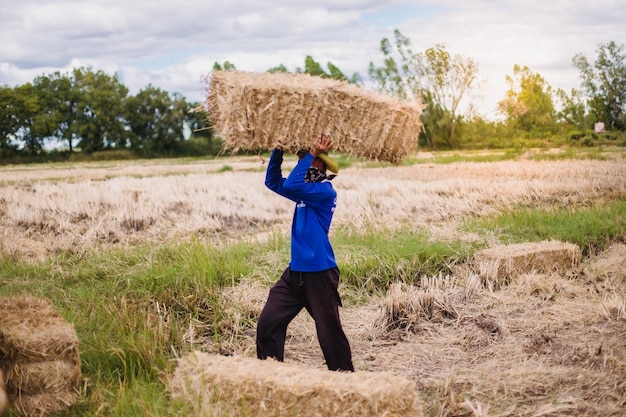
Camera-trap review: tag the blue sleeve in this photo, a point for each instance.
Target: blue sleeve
(273, 176)
(310, 193)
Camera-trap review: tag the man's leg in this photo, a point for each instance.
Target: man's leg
(323, 301)
(283, 304)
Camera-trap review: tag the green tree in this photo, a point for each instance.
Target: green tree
(10, 121)
(280, 68)
(572, 113)
(226, 66)
(59, 98)
(101, 109)
(445, 83)
(604, 82)
(156, 121)
(314, 68)
(528, 104)
(33, 123)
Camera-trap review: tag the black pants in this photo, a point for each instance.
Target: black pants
(317, 292)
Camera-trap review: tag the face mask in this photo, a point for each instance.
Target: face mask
(314, 175)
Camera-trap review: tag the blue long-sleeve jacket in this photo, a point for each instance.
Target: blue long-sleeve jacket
(315, 205)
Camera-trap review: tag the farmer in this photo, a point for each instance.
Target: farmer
(312, 277)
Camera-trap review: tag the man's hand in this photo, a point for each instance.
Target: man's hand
(324, 144)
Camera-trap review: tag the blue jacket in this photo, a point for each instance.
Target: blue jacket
(315, 204)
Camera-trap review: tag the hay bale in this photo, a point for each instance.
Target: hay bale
(40, 377)
(38, 356)
(238, 386)
(498, 265)
(42, 404)
(31, 330)
(257, 111)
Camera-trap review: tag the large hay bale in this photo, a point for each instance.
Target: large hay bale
(243, 386)
(38, 356)
(498, 265)
(256, 111)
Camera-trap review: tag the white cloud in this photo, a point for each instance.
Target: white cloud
(173, 44)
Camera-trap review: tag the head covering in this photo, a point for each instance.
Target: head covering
(331, 165)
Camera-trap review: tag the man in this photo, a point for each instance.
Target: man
(311, 279)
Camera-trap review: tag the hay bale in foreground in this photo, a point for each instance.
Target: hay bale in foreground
(242, 386)
(256, 111)
(38, 356)
(498, 265)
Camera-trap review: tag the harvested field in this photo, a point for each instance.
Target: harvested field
(541, 332)
(52, 210)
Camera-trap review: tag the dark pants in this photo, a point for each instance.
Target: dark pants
(317, 292)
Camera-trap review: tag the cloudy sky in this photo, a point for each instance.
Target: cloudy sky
(173, 44)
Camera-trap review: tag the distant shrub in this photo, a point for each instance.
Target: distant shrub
(112, 155)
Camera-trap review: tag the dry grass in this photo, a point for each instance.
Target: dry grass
(543, 342)
(87, 209)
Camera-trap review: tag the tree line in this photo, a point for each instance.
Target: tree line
(92, 111)
(449, 86)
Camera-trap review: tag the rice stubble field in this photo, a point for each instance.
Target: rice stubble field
(540, 342)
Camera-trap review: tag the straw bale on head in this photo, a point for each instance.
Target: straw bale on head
(255, 111)
(38, 356)
(498, 265)
(242, 386)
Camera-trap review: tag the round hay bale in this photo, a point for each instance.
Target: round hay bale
(259, 111)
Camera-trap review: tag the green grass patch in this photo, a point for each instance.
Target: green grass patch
(591, 228)
(373, 261)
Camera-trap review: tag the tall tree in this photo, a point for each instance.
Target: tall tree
(156, 121)
(33, 126)
(226, 66)
(604, 82)
(314, 68)
(101, 109)
(445, 83)
(59, 98)
(572, 111)
(528, 103)
(13, 113)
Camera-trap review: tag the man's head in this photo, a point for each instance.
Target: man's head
(319, 166)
